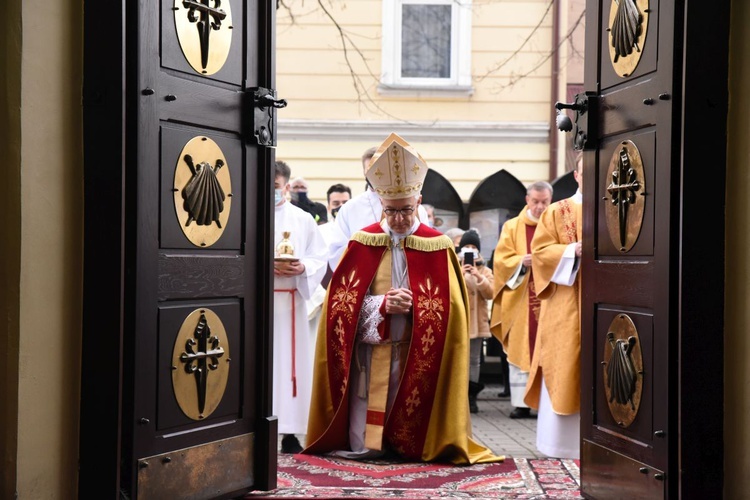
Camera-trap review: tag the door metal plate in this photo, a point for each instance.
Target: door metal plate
(199, 472)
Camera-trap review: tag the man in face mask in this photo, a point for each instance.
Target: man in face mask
(338, 195)
(300, 199)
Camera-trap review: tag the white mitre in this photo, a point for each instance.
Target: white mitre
(396, 170)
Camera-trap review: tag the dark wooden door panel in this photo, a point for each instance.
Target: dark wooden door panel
(183, 276)
(628, 108)
(173, 140)
(648, 51)
(636, 438)
(611, 286)
(178, 248)
(201, 326)
(651, 311)
(187, 101)
(628, 416)
(645, 140)
(172, 56)
(171, 419)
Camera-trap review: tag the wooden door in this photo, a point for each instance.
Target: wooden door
(651, 122)
(176, 396)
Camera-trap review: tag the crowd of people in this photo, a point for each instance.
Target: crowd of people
(381, 320)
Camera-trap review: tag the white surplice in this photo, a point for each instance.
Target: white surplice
(309, 247)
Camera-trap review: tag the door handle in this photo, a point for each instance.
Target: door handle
(585, 120)
(269, 101)
(265, 103)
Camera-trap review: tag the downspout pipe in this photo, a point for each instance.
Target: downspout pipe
(554, 84)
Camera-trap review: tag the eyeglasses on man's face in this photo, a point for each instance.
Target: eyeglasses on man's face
(390, 212)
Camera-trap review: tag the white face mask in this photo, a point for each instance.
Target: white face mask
(465, 250)
(278, 195)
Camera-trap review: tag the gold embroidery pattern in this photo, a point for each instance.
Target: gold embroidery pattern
(405, 429)
(340, 332)
(428, 340)
(412, 401)
(396, 166)
(399, 186)
(569, 220)
(345, 297)
(534, 302)
(403, 435)
(340, 368)
(430, 305)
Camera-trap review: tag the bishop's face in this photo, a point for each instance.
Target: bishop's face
(400, 213)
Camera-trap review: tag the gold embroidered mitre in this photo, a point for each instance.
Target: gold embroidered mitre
(396, 169)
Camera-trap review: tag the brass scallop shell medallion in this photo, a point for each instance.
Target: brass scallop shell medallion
(202, 191)
(623, 370)
(204, 29)
(628, 23)
(200, 364)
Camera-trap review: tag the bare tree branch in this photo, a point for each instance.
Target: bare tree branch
(500, 65)
(348, 46)
(516, 78)
(363, 90)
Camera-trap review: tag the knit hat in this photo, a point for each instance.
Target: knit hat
(470, 237)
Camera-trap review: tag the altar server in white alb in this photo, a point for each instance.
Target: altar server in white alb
(297, 271)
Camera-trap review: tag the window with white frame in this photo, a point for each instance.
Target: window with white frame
(426, 45)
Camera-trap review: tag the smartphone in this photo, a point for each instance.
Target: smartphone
(469, 258)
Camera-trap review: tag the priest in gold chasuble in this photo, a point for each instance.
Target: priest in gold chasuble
(554, 385)
(391, 360)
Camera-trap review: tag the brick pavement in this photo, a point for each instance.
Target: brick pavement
(514, 438)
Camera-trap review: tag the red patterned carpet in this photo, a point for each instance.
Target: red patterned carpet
(307, 476)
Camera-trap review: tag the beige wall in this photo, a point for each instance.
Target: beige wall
(737, 289)
(47, 275)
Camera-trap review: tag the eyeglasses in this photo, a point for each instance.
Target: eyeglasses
(403, 211)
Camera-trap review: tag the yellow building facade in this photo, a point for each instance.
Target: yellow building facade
(486, 105)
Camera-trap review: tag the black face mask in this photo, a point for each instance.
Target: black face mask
(334, 211)
(302, 197)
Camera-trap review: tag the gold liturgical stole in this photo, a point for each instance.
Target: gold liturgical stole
(380, 366)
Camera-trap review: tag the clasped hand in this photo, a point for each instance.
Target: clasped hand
(398, 301)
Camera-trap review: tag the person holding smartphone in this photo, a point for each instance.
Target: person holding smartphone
(479, 284)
